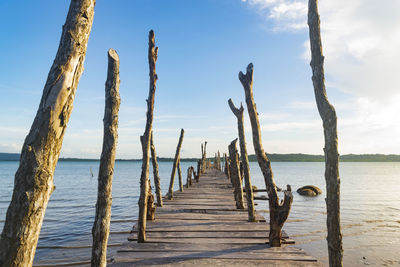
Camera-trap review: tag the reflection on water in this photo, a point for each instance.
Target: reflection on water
(370, 205)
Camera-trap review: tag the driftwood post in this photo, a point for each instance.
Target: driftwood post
(227, 167)
(151, 209)
(174, 166)
(33, 182)
(180, 176)
(219, 161)
(101, 226)
(145, 140)
(189, 177)
(238, 112)
(154, 162)
(199, 166)
(328, 115)
(203, 159)
(278, 213)
(235, 175)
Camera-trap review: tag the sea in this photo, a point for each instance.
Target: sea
(370, 206)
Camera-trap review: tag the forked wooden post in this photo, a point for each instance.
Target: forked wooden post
(174, 166)
(156, 175)
(238, 112)
(235, 175)
(278, 213)
(328, 115)
(101, 226)
(33, 182)
(145, 141)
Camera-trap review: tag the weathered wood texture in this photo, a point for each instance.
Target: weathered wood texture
(227, 172)
(174, 166)
(180, 176)
(145, 139)
(156, 175)
(238, 112)
(204, 159)
(189, 176)
(235, 175)
(33, 182)
(278, 212)
(328, 115)
(101, 226)
(215, 235)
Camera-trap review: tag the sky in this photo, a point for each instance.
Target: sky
(203, 44)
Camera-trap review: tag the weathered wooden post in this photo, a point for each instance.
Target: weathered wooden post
(176, 161)
(189, 177)
(145, 141)
(33, 182)
(219, 161)
(235, 175)
(238, 112)
(154, 162)
(180, 176)
(101, 226)
(227, 167)
(199, 166)
(278, 212)
(328, 115)
(151, 209)
(204, 159)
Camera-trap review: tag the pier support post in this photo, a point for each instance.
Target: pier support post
(145, 141)
(33, 183)
(156, 175)
(328, 115)
(204, 159)
(189, 176)
(101, 226)
(180, 176)
(278, 213)
(235, 175)
(238, 112)
(174, 166)
(199, 166)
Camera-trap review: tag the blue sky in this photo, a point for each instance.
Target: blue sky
(203, 44)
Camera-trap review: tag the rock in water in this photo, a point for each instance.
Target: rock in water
(309, 190)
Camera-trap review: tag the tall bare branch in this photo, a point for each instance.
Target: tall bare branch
(145, 140)
(328, 115)
(278, 213)
(33, 182)
(101, 226)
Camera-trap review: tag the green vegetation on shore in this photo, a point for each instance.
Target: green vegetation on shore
(272, 157)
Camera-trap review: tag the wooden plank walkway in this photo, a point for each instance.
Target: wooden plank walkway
(202, 227)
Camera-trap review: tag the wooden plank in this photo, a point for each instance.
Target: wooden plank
(261, 248)
(177, 262)
(207, 234)
(210, 240)
(215, 255)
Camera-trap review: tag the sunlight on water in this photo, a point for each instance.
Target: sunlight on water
(370, 206)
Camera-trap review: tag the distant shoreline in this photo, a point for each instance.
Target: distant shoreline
(298, 157)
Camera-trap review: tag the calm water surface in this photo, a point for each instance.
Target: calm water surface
(370, 206)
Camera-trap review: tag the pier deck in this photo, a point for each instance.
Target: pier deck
(201, 226)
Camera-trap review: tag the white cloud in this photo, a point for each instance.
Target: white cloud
(286, 14)
(361, 40)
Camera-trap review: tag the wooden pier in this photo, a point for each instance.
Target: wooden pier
(202, 227)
